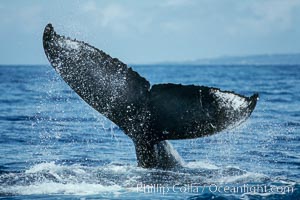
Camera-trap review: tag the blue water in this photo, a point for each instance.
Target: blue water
(53, 145)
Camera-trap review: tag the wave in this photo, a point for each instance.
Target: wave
(117, 178)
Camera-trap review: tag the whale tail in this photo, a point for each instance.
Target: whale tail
(148, 115)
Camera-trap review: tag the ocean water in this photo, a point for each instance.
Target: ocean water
(54, 146)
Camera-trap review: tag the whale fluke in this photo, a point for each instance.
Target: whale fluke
(148, 115)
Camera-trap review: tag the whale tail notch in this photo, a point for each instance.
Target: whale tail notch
(149, 116)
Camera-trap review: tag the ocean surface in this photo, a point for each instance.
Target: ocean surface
(54, 146)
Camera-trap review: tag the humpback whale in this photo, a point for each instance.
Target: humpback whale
(149, 115)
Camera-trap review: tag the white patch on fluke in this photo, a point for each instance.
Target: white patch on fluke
(230, 100)
(69, 44)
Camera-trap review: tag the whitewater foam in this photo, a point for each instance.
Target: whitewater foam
(61, 188)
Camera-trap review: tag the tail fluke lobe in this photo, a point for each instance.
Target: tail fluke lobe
(105, 83)
(189, 111)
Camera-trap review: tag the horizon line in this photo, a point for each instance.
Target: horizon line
(188, 62)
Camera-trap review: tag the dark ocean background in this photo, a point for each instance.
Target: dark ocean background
(53, 145)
